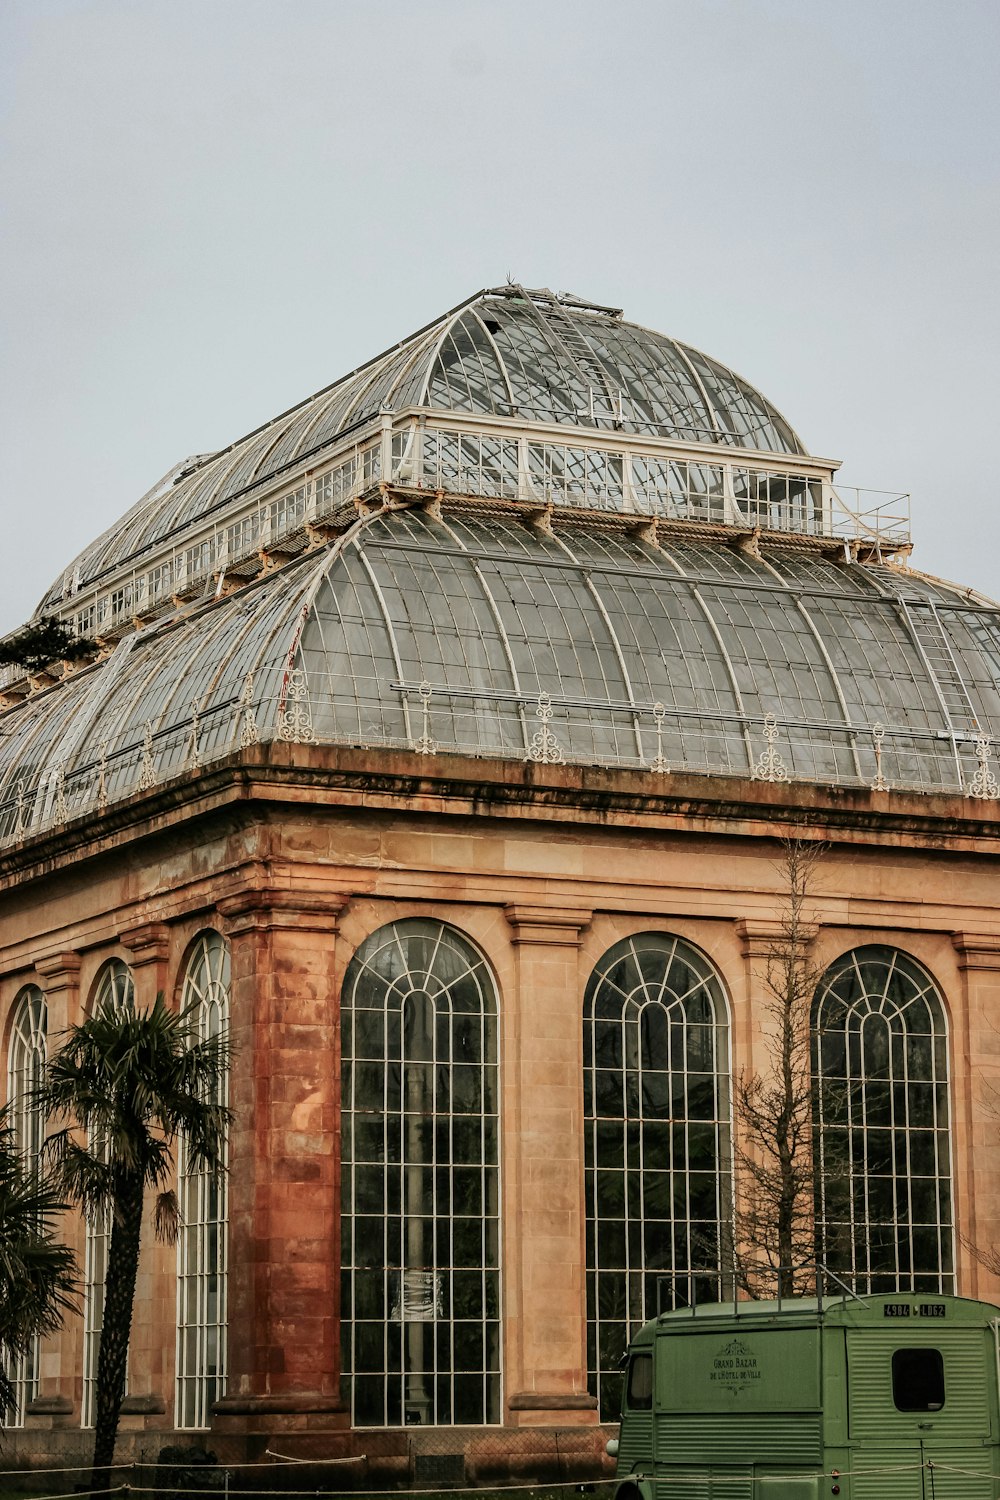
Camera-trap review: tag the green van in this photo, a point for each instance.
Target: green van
(875, 1398)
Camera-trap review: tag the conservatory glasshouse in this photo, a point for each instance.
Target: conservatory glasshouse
(441, 739)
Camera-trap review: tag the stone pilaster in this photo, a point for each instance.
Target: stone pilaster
(547, 1364)
(284, 1341)
(979, 965)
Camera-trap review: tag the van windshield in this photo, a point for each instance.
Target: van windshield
(639, 1390)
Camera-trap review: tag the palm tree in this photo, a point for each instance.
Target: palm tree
(37, 1273)
(132, 1081)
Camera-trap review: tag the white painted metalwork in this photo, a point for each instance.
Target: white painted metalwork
(420, 1292)
(544, 748)
(147, 769)
(425, 745)
(295, 717)
(247, 714)
(202, 1244)
(770, 766)
(878, 735)
(60, 808)
(880, 1055)
(658, 764)
(195, 755)
(605, 617)
(25, 1069)
(657, 1140)
(102, 777)
(984, 786)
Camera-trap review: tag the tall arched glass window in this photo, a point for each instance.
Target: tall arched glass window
(25, 1066)
(656, 1122)
(420, 1289)
(880, 1058)
(114, 985)
(202, 1242)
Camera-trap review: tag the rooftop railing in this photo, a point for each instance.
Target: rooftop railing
(449, 454)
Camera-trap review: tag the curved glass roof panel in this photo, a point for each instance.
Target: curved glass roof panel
(506, 353)
(480, 634)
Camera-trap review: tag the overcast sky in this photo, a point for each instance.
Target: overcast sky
(215, 207)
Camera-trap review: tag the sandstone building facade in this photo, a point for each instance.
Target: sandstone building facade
(440, 741)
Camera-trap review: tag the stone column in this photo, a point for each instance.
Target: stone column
(547, 1317)
(284, 1331)
(977, 1134)
(60, 1357)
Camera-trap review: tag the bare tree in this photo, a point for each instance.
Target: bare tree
(775, 1245)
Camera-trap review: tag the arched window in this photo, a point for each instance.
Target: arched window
(114, 986)
(656, 1113)
(420, 1290)
(882, 1135)
(25, 1066)
(201, 1244)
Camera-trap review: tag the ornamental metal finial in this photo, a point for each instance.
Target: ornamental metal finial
(544, 748)
(147, 775)
(770, 766)
(658, 765)
(295, 719)
(984, 786)
(248, 714)
(102, 777)
(425, 745)
(195, 753)
(60, 809)
(878, 735)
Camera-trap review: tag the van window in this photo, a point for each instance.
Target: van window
(918, 1380)
(639, 1391)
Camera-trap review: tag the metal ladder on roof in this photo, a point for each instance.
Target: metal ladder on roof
(936, 649)
(593, 376)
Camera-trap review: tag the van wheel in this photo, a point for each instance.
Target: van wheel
(627, 1492)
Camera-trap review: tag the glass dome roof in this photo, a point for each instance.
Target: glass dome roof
(480, 634)
(508, 352)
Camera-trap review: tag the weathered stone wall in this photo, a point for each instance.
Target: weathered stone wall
(297, 854)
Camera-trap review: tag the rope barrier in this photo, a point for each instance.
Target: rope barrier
(283, 1462)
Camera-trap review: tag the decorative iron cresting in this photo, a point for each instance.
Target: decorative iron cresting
(544, 748)
(147, 771)
(102, 777)
(770, 766)
(658, 764)
(295, 724)
(878, 735)
(246, 714)
(985, 786)
(424, 745)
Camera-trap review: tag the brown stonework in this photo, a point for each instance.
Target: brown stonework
(284, 1157)
(547, 1337)
(544, 867)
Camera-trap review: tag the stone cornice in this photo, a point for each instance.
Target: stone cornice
(59, 971)
(333, 777)
(266, 910)
(147, 944)
(977, 950)
(555, 926)
(762, 938)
